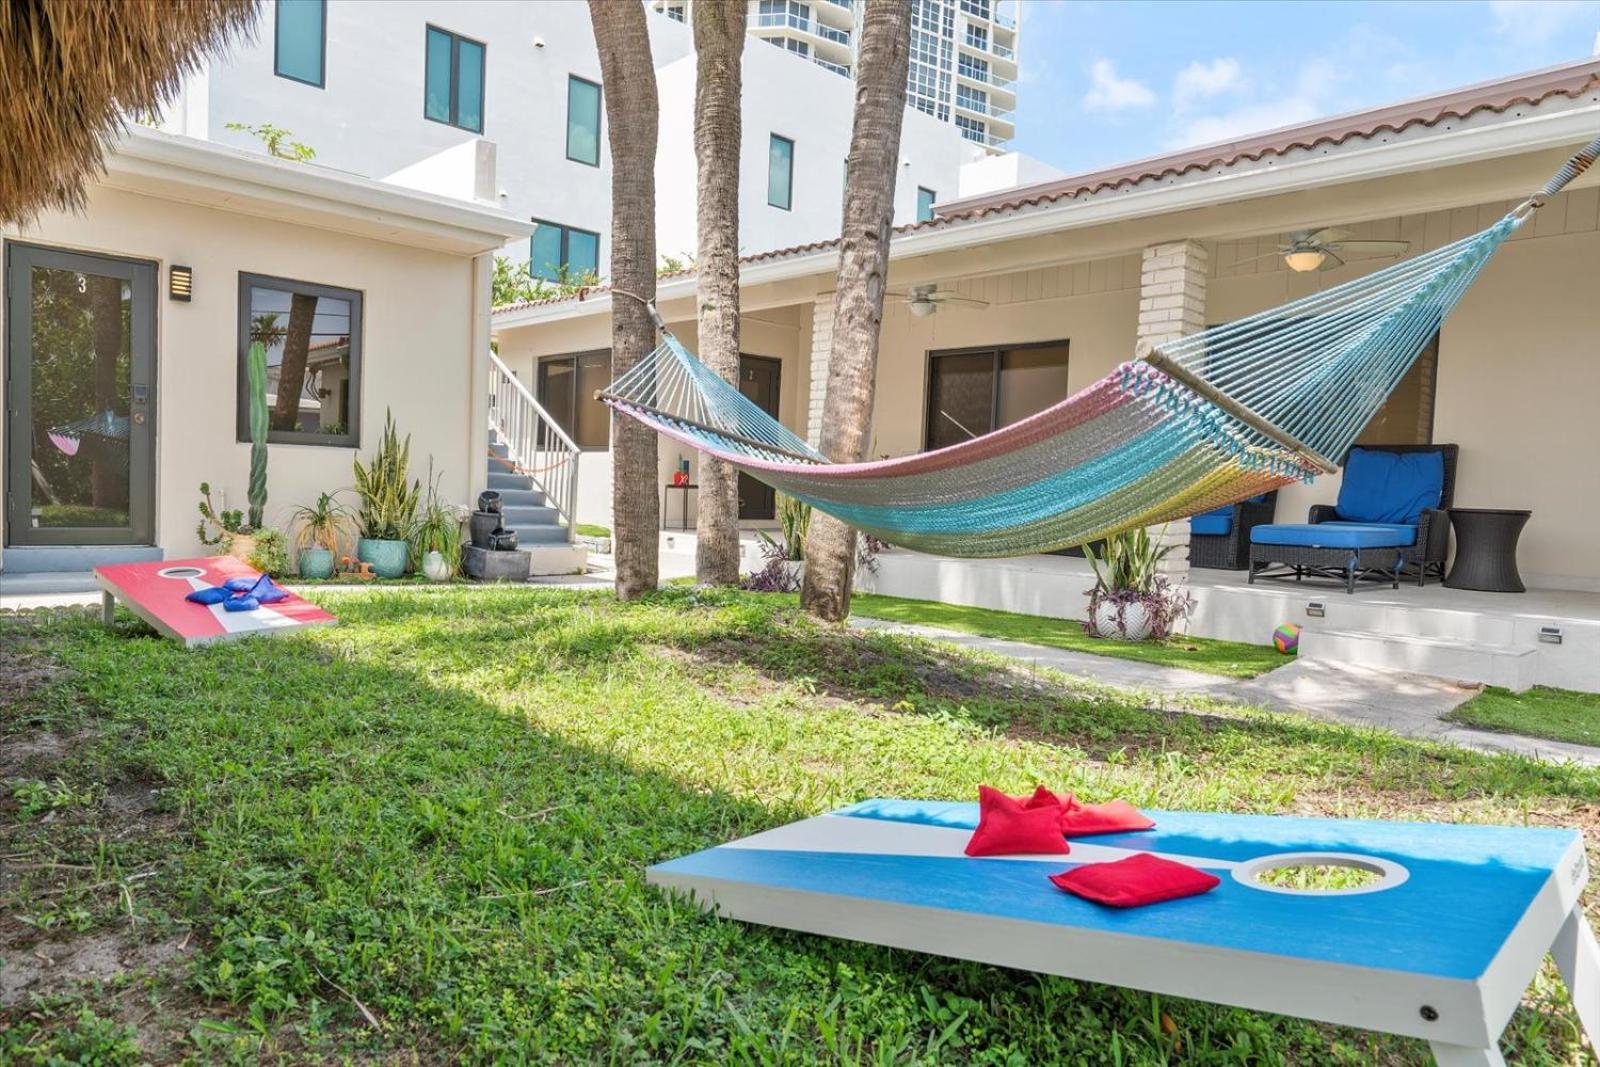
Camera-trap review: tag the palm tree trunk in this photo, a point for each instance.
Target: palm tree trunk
(292, 367)
(719, 43)
(632, 115)
(858, 301)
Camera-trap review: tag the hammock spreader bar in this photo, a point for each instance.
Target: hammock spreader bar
(1158, 359)
(1196, 423)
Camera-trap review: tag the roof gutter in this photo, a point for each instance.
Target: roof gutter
(202, 172)
(1527, 134)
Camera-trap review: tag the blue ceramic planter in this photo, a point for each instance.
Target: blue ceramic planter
(388, 558)
(316, 563)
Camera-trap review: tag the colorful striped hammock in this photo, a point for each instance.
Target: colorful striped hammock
(1193, 424)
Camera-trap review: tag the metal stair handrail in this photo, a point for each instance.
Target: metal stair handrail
(536, 444)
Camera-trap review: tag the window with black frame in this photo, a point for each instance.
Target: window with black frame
(566, 386)
(453, 80)
(312, 337)
(974, 391)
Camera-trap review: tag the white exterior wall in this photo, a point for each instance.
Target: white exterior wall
(368, 118)
(423, 328)
(993, 173)
(792, 97)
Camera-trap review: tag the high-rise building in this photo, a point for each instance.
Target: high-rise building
(963, 53)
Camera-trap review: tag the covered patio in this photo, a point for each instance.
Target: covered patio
(1004, 305)
(1548, 637)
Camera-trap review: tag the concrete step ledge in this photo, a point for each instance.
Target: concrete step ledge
(57, 559)
(520, 515)
(521, 498)
(556, 559)
(538, 534)
(1437, 657)
(500, 480)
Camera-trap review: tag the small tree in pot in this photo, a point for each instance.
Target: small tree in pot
(317, 532)
(1132, 599)
(388, 513)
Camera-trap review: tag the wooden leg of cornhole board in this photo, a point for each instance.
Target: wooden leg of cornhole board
(1578, 957)
(108, 608)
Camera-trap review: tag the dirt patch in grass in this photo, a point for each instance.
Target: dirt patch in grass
(56, 967)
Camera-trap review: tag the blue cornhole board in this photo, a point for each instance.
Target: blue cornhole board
(1441, 946)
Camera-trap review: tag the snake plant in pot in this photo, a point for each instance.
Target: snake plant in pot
(387, 517)
(1132, 599)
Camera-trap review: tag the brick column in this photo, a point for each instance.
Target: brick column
(821, 347)
(1172, 303)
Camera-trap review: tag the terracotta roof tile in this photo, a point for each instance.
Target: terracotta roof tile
(1570, 80)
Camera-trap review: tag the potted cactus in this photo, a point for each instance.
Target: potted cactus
(234, 532)
(387, 517)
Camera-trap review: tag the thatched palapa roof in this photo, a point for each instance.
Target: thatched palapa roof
(72, 71)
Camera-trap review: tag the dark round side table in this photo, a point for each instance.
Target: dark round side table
(1486, 549)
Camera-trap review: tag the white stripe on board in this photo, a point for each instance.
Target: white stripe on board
(882, 837)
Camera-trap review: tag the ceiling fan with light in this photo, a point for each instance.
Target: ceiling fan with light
(1328, 247)
(924, 300)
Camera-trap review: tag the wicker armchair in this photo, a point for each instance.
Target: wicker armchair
(1433, 526)
(1231, 551)
(1421, 558)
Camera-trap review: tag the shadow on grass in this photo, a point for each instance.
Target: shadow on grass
(400, 810)
(923, 676)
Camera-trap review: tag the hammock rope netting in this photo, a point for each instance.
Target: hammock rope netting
(1197, 423)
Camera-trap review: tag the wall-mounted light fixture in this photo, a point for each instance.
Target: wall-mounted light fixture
(1550, 635)
(1315, 609)
(180, 283)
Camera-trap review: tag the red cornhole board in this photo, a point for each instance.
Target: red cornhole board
(155, 592)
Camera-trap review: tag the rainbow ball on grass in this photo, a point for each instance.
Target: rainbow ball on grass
(1286, 638)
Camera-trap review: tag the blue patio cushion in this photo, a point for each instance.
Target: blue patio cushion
(1352, 535)
(1214, 523)
(1390, 487)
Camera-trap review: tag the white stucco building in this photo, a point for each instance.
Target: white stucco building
(439, 97)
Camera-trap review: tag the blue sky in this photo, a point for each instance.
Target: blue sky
(1107, 81)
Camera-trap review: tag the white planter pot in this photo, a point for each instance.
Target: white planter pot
(794, 571)
(1124, 622)
(435, 566)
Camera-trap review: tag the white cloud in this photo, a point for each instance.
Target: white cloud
(1108, 92)
(1316, 91)
(1201, 81)
(1252, 118)
(1538, 21)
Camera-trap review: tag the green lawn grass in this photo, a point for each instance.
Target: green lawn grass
(420, 836)
(589, 529)
(1231, 659)
(1556, 714)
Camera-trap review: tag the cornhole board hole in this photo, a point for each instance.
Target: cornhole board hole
(155, 592)
(1440, 945)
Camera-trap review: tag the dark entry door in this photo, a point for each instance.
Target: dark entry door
(758, 380)
(80, 398)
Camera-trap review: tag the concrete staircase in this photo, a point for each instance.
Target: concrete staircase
(538, 526)
(526, 510)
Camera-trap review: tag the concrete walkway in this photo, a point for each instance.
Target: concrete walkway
(1406, 704)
